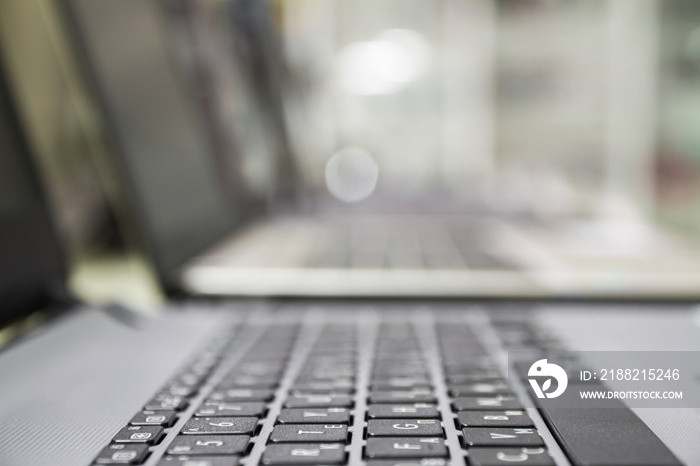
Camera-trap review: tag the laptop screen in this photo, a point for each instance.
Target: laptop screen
(161, 144)
(30, 256)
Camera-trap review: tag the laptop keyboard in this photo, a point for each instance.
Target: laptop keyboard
(381, 389)
(406, 245)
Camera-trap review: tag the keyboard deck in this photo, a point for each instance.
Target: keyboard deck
(322, 386)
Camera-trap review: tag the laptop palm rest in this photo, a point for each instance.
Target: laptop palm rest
(68, 389)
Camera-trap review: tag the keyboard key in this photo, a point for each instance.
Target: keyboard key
(405, 447)
(415, 410)
(307, 378)
(327, 374)
(409, 462)
(314, 416)
(400, 371)
(337, 358)
(479, 389)
(166, 403)
(497, 436)
(122, 454)
(248, 381)
(409, 383)
(328, 386)
(212, 408)
(242, 394)
(188, 378)
(184, 460)
(404, 428)
(399, 355)
(400, 383)
(536, 456)
(473, 403)
(462, 367)
(318, 400)
(154, 418)
(479, 369)
(337, 391)
(209, 445)
(220, 425)
(513, 418)
(382, 364)
(284, 433)
(260, 369)
(619, 437)
(149, 435)
(474, 377)
(304, 453)
(402, 396)
(181, 390)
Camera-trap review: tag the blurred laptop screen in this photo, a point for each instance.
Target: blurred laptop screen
(30, 258)
(162, 144)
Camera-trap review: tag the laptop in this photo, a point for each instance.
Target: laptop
(332, 382)
(210, 232)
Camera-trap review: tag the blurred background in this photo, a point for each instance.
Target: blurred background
(553, 112)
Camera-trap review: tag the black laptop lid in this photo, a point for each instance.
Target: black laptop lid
(161, 144)
(31, 261)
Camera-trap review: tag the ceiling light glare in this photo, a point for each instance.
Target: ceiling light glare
(384, 65)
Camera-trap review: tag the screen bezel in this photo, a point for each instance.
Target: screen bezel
(32, 262)
(165, 263)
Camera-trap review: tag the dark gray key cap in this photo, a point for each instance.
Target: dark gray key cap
(328, 373)
(285, 433)
(318, 376)
(476, 377)
(248, 381)
(605, 436)
(401, 371)
(409, 462)
(477, 363)
(479, 389)
(402, 396)
(405, 447)
(163, 402)
(485, 403)
(259, 369)
(184, 460)
(149, 435)
(318, 400)
(533, 456)
(209, 445)
(242, 394)
(404, 384)
(304, 453)
(220, 425)
(384, 365)
(154, 418)
(342, 358)
(314, 416)
(182, 390)
(398, 383)
(335, 391)
(328, 386)
(190, 378)
(122, 454)
(404, 428)
(403, 411)
(212, 408)
(499, 436)
(512, 418)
